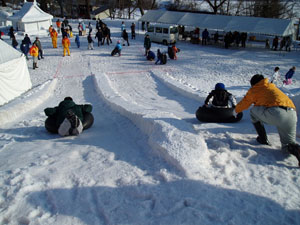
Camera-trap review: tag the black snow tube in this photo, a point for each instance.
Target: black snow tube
(50, 123)
(217, 115)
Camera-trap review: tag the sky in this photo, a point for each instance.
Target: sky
(146, 159)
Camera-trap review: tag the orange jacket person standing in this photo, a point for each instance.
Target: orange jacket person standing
(66, 45)
(58, 24)
(175, 50)
(34, 52)
(54, 38)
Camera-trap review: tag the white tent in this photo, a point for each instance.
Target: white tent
(254, 25)
(31, 19)
(3, 18)
(14, 74)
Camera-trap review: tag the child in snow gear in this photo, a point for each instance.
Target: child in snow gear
(172, 52)
(77, 40)
(117, 49)
(221, 98)
(66, 45)
(34, 52)
(68, 118)
(273, 107)
(39, 45)
(90, 42)
(223, 104)
(289, 75)
(159, 57)
(150, 56)
(276, 76)
(54, 38)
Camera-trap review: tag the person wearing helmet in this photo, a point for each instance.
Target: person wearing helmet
(221, 98)
(273, 107)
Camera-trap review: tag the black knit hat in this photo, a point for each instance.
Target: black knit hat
(68, 99)
(256, 78)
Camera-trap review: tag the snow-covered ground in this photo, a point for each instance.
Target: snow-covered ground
(146, 159)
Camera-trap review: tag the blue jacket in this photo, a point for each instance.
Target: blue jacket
(289, 74)
(119, 46)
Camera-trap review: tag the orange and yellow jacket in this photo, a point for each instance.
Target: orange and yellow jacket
(53, 34)
(264, 94)
(65, 42)
(34, 51)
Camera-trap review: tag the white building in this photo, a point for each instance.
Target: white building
(31, 19)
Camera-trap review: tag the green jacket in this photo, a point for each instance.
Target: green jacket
(60, 111)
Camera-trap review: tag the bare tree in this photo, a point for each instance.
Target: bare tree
(3, 3)
(215, 4)
(87, 5)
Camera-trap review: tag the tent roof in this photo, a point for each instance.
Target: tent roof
(100, 10)
(8, 53)
(30, 12)
(256, 25)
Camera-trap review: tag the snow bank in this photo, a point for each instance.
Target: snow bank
(26, 103)
(183, 148)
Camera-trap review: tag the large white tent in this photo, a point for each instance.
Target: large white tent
(31, 19)
(254, 25)
(3, 18)
(14, 74)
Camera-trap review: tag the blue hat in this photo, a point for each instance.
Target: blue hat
(220, 86)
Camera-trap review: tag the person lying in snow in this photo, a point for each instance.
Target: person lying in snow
(68, 118)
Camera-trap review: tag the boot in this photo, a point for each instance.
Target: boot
(33, 66)
(262, 135)
(294, 149)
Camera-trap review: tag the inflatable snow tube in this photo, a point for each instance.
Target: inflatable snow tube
(50, 123)
(217, 115)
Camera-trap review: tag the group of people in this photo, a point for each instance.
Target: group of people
(270, 106)
(276, 78)
(161, 56)
(284, 43)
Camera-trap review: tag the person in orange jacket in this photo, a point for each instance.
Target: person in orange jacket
(175, 50)
(54, 38)
(58, 24)
(34, 52)
(273, 107)
(66, 45)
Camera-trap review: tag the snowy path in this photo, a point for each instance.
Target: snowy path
(117, 153)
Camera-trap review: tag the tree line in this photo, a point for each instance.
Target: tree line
(127, 8)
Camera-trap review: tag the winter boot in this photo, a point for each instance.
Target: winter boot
(294, 149)
(262, 135)
(33, 66)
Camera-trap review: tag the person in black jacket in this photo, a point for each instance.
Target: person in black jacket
(221, 98)
(99, 36)
(125, 37)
